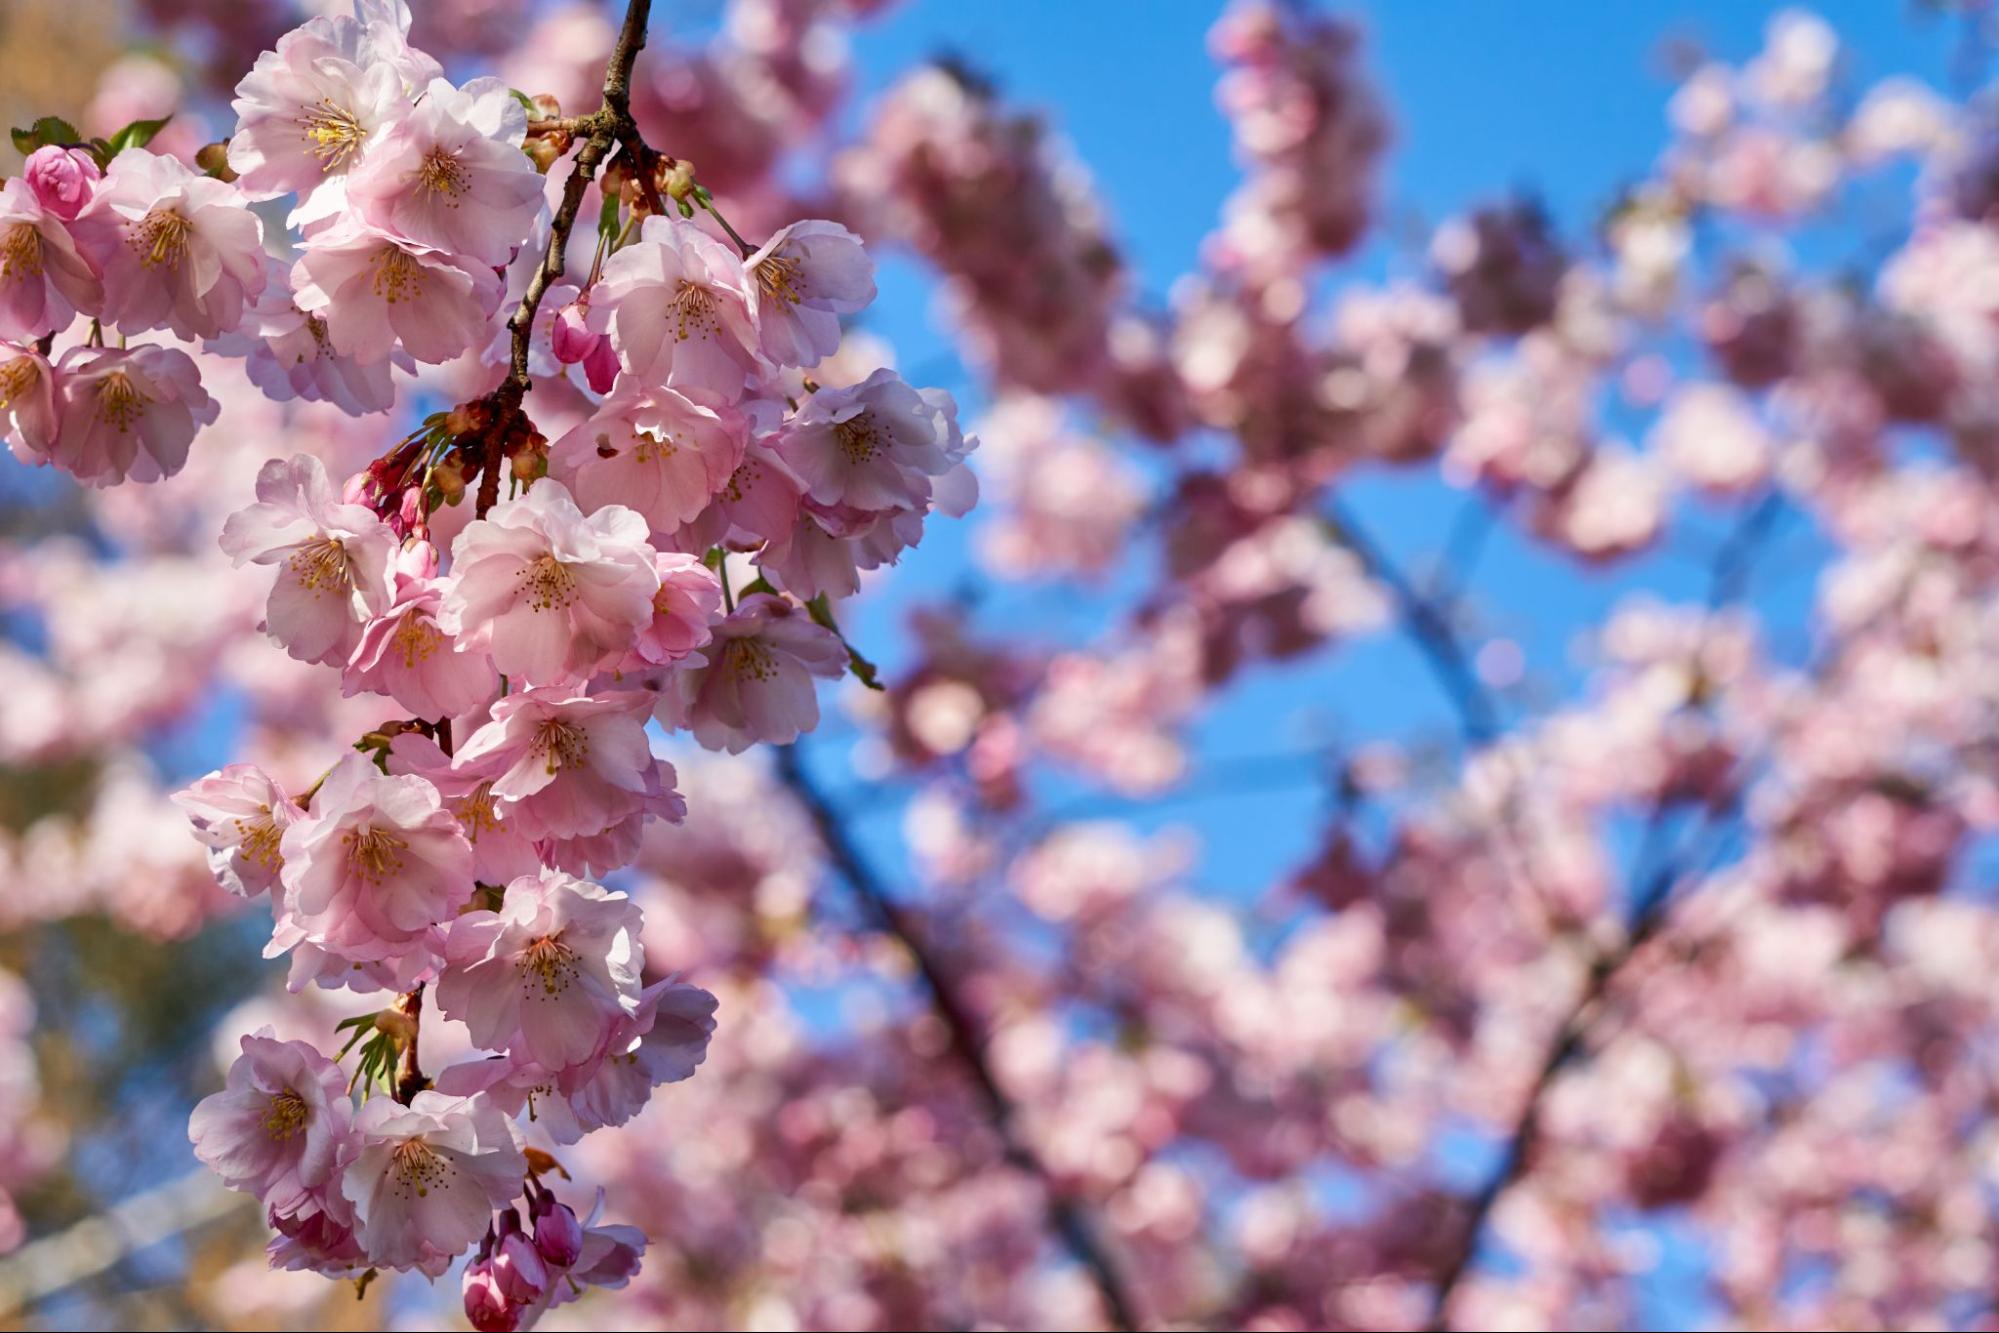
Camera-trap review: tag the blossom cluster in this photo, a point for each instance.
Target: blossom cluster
(532, 643)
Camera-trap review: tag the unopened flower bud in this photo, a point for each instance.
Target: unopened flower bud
(545, 150)
(676, 177)
(558, 1235)
(486, 1306)
(399, 1026)
(213, 158)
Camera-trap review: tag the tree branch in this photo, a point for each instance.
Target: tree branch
(1077, 1230)
(1651, 900)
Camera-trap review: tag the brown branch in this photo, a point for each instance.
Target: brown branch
(610, 124)
(1069, 1220)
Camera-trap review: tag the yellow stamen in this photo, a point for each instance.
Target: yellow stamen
(373, 854)
(161, 238)
(21, 253)
(322, 567)
(285, 1115)
(119, 402)
(547, 585)
(333, 134)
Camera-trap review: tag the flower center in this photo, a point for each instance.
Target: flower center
(549, 964)
(547, 584)
(442, 173)
(779, 279)
(694, 311)
(859, 439)
(560, 745)
(21, 253)
(321, 566)
(16, 377)
(119, 402)
(415, 1167)
(416, 639)
(285, 1115)
(373, 853)
(332, 134)
(161, 239)
(478, 813)
(398, 277)
(749, 659)
(259, 839)
(648, 447)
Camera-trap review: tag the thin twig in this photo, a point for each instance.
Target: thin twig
(1076, 1228)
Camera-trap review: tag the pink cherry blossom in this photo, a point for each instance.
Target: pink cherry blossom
(758, 502)
(573, 343)
(127, 413)
(308, 109)
(428, 1176)
(281, 1128)
(550, 594)
(375, 291)
(450, 175)
(28, 403)
(44, 281)
(176, 249)
(240, 813)
(501, 852)
(683, 611)
(288, 354)
(876, 445)
(336, 561)
(402, 653)
(805, 277)
(63, 179)
(551, 976)
(566, 765)
(757, 683)
(662, 1040)
(373, 868)
(677, 310)
(657, 451)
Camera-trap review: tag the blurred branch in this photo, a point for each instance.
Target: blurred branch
(1478, 712)
(55, 1263)
(1076, 1228)
(1651, 901)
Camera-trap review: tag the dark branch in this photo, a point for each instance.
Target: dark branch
(1076, 1229)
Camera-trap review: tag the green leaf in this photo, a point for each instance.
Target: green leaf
(136, 135)
(609, 222)
(525, 101)
(47, 130)
(821, 610)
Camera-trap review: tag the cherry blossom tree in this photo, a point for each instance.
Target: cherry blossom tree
(466, 509)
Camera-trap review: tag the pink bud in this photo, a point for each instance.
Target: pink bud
(601, 366)
(557, 1234)
(571, 341)
(519, 1270)
(63, 179)
(485, 1305)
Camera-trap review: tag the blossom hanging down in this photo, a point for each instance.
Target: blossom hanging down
(548, 978)
(375, 869)
(550, 594)
(335, 560)
(427, 1177)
